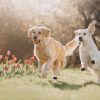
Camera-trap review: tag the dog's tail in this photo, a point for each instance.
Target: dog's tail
(71, 46)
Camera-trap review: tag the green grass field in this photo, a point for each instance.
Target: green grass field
(71, 85)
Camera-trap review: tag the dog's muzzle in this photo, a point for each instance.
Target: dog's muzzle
(36, 40)
(80, 39)
(35, 37)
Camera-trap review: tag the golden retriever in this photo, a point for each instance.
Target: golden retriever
(48, 51)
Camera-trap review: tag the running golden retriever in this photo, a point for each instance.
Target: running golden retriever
(48, 51)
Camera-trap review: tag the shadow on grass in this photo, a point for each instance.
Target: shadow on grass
(64, 85)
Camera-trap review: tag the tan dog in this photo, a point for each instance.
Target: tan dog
(48, 51)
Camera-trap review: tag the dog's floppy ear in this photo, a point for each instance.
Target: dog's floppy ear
(30, 32)
(91, 28)
(77, 31)
(46, 31)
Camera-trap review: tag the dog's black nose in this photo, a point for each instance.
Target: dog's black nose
(82, 69)
(34, 37)
(92, 61)
(80, 39)
(55, 78)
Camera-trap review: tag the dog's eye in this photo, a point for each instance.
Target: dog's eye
(39, 32)
(33, 32)
(84, 33)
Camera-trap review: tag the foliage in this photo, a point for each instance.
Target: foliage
(11, 67)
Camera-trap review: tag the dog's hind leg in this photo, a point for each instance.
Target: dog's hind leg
(56, 69)
(99, 79)
(96, 71)
(40, 64)
(46, 67)
(98, 76)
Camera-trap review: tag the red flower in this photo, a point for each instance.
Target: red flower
(14, 58)
(6, 57)
(28, 61)
(8, 53)
(33, 58)
(6, 68)
(16, 65)
(1, 57)
(10, 62)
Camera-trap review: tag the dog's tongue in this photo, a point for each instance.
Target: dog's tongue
(37, 41)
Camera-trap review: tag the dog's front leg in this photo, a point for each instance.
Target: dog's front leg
(84, 62)
(46, 67)
(82, 67)
(92, 57)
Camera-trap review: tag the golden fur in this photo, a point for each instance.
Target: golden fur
(50, 52)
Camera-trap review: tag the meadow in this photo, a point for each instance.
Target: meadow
(22, 81)
(71, 85)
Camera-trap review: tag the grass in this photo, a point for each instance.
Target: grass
(71, 85)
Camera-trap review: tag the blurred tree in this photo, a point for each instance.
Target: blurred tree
(16, 16)
(90, 11)
(13, 31)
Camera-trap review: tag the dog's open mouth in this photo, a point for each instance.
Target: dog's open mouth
(36, 41)
(81, 40)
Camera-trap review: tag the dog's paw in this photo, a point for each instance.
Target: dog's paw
(82, 69)
(92, 61)
(55, 78)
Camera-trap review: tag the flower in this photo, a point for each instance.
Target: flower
(1, 57)
(6, 68)
(14, 58)
(6, 57)
(26, 61)
(8, 53)
(16, 65)
(33, 58)
(10, 62)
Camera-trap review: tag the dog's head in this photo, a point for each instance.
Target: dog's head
(84, 34)
(38, 33)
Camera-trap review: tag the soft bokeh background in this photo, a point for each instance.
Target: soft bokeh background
(61, 16)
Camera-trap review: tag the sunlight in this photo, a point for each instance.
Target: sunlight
(48, 4)
(43, 6)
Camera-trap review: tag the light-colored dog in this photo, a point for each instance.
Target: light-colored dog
(89, 53)
(48, 51)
